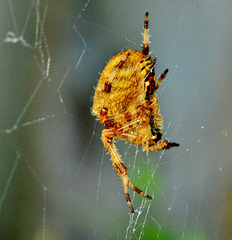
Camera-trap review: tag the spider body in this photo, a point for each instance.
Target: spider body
(126, 104)
(121, 86)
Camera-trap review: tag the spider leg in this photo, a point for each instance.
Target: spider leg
(160, 79)
(145, 49)
(107, 139)
(150, 143)
(160, 145)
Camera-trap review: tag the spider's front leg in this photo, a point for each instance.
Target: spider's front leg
(107, 139)
(160, 145)
(155, 142)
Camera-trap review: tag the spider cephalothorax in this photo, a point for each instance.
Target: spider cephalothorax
(126, 104)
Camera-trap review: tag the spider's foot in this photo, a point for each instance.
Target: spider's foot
(139, 191)
(172, 144)
(127, 183)
(147, 196)
(129, 202)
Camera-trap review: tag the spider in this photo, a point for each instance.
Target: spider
(125, 102)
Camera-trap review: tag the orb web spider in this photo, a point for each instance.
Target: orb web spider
(126, 104)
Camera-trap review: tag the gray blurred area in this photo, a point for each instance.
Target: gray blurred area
(56, 180)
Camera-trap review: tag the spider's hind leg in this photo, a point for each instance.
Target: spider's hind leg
(107, 139)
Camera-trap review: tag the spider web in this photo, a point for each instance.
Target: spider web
(57, 182)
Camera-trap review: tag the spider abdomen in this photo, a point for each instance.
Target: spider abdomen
(121, 87)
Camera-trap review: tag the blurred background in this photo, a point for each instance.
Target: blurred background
(56, 180)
